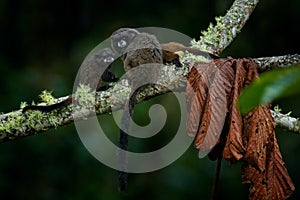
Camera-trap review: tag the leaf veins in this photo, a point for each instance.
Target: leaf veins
(212, 95)
(209, 108)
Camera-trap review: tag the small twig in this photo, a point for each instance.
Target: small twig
(216, 179)
(286, 121)
(269, 63)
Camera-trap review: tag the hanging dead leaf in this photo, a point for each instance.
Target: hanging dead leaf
(264, 167)
(196, 93)
(215, 79)
(212, 102)
(234, 148)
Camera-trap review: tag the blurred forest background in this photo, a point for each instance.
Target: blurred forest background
(42, 46)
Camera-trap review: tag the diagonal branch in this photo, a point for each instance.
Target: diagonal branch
(216, 38)
(15, 125)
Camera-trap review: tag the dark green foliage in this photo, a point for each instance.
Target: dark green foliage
(269, 87)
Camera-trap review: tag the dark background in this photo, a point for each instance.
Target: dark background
(43, 44)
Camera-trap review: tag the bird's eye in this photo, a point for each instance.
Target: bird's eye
(122, 43)
(108, 59)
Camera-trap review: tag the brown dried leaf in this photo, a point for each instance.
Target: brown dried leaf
(280, 184)
(196, 93)
(226, 66)
(234, 148)
(258, 189)
(213, 91)
(264, 167)
(257, 130)
(216, 80)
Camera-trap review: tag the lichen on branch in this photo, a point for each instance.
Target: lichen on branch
(216, 38)
(14, 125)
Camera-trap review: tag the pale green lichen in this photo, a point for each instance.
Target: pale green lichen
(208, 36)
(123, 92)
(12, 122)
(277, 109)
(192, 58)
(15, 123)
(84, 96)
(65, 113)
(297, 125)
(33, 118)
(3, 134)
(194, 43)
(219, 19)
(288, 114)
(46, 96)
(215, 38)
(53, 120)
(23, 105)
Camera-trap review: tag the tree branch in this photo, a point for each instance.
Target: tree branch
(15, 124)
(287, 122)
(269, 63)
(216, 38)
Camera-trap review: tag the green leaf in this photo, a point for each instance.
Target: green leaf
(270, 86)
